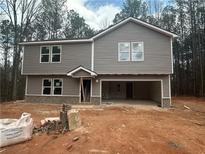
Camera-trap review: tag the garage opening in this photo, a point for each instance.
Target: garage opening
(136, 92)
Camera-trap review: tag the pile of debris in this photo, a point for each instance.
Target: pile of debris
(68, 119)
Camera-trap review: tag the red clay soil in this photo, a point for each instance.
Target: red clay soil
(118, 130)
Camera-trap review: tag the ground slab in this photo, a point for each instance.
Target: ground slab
(118, 129)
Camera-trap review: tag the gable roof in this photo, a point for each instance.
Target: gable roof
(71, 73)
(137, 21)
(104, 32)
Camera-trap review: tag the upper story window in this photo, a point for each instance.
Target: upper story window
(50, 54)
(137, 51)
(56, 53)
(45, 54)
(124, 51)
(130, 51)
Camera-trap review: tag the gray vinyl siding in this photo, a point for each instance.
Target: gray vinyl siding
(70, 85)
(165, 79)
(72, 56)
(157, 51)
(81, 73)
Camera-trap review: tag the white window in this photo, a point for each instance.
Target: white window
(57, 86)
(124, 51)
(56, 54)
(45, 54)
(50, 54)
(52, 86)
(46, 87)
(137, 51)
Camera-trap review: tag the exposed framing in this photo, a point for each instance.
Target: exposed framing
(91, 88)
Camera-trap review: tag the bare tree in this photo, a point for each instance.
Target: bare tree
(105, 23)
(21, 13)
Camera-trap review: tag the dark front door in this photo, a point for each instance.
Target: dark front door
(85, 91)
(129, 90)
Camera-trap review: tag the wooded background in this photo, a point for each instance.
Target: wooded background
(26, 20)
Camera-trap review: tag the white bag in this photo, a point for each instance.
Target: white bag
(16, 130)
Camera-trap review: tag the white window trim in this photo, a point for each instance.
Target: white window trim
(119, 52)
(53, 87)
(132, 51)
(45, 54)
(42, 86)
(51, 53)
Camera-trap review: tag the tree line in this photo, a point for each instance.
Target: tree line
(28, 20)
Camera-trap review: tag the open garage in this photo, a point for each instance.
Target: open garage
(135, 92)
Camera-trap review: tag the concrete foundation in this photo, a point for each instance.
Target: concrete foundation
(52, 99)
(61, 99)
(95, 100)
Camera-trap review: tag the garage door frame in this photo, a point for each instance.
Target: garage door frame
(159, 80)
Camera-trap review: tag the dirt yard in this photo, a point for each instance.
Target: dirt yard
(118, 129)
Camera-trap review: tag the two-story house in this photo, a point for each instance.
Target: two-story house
(131, 60)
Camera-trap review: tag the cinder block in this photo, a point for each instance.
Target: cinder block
(74, 120)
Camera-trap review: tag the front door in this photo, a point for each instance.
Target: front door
(85, 90)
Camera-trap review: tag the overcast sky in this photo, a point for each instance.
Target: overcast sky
(97, 13)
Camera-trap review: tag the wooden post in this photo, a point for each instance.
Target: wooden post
(82, 88)
(64, 117)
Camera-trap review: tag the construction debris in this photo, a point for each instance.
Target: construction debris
(75, 138)
(69, 147)
(69, 119)
(64, 116)
(98, 151)
(173, 144)
(2, 150)
(187, 107)
(48, 126)
(13, 131)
